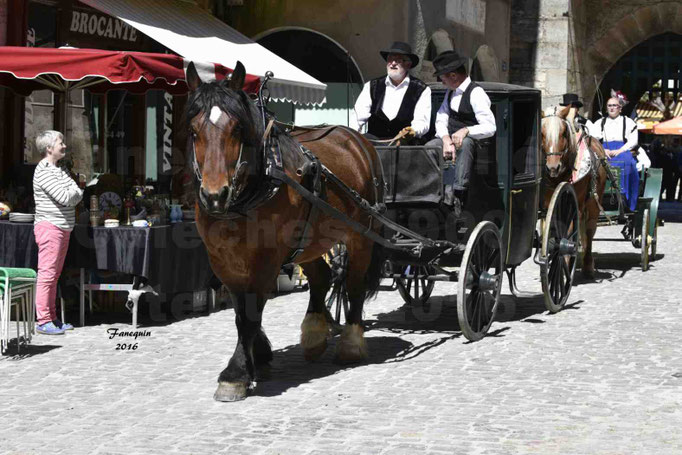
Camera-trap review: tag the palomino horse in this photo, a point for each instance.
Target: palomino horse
(560, 146)
(249, 237)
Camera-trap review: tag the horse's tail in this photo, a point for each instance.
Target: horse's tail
(374, 272)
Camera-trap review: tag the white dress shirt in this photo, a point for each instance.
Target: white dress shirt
(480, 103)
(613, 131)
(392, 101)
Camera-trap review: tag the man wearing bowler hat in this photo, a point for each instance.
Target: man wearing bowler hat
(395, 103)
(463, 123)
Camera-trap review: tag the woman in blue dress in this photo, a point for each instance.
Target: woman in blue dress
(618, 135)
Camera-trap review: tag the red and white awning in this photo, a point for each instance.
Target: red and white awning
(24, 69)
(195, 34)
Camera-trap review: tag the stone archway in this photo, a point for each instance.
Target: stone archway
(486, 65)
(634, 26)
(652, 67)
(326, 60)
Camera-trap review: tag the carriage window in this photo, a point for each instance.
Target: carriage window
(524, 139)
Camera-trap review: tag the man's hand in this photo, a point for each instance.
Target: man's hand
(449, 149)
(459, 136)
(408, 132)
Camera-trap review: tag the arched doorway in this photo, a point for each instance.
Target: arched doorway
(653, 67)
(324, 59)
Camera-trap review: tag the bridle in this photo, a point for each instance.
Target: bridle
(568, 139)
(235, 182)
(233, 189)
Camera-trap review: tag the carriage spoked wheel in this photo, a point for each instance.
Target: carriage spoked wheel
(416, 288)
(654, 240)
(560, 245)
(337, 302)
(480, 281)
(645, 241)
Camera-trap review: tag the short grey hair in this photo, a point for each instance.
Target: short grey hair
(47, 139)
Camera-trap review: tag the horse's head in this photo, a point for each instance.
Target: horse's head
(225, 135)
(558, 142)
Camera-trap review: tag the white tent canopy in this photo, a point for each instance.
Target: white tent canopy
(195, 34)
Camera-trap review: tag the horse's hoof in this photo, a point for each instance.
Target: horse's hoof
(314, 335)
(231, 391)
(313, 353)
(588, 274)
(263, 372)
(352, 347)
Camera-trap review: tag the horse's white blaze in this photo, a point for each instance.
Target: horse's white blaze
(215, 115)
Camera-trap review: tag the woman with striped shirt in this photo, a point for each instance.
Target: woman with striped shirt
(56, 195)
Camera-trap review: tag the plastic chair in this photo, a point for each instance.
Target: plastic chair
(17, 289)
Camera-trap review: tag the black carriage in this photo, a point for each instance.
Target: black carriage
(500, 224)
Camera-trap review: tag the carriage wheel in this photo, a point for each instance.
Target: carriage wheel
(480, 281)
(645, 240)
(654, 240)
(416, 289)
(560, 243)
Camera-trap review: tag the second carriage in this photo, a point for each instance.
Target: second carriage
(501, 222)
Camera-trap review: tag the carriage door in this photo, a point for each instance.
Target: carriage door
(525, 178)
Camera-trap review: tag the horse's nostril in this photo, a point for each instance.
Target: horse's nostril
(224, 191)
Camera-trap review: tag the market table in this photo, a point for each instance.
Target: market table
(169, 258)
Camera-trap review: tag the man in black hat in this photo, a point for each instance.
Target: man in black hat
(571, 99)
(463, 123)
(397, 102)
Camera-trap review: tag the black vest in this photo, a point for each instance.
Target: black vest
(464, 116)
(378, 124)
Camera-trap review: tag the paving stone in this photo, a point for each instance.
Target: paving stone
(603, 376)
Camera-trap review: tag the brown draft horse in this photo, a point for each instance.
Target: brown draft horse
(248, 245)
(560, 148)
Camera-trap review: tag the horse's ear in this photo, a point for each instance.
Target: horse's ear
(571, 115)
(563, 112)
(237, 77)
(193, 80)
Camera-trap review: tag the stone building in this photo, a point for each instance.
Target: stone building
(339, 42)
(584, 45)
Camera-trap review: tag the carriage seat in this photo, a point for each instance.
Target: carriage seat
(413, 175)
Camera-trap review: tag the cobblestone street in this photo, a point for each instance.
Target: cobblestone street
(603, 376)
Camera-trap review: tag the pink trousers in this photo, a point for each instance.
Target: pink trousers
(52, 246)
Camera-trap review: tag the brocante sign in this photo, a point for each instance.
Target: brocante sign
(91, 24)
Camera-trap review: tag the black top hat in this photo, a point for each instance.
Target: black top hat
(447, 62)
(399, 47)
(572, 100)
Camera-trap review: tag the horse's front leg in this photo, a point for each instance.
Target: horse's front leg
(237, 379)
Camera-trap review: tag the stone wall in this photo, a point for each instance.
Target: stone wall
(363, 27)
(615, 27)
(563, 46)
(540, 46)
